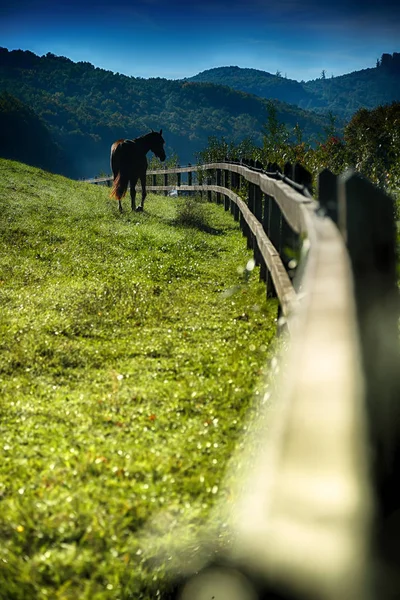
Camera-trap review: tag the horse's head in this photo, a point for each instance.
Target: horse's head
(157, 144)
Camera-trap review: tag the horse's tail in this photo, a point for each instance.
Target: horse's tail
(117, 164)
(119, 187)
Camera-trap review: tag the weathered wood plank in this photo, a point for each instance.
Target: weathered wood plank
(303, 516)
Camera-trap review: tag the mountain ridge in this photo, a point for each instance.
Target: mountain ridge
(342, 95)
(87, 108)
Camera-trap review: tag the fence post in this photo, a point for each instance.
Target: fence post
(243, 224)
(247, 230)
(257, 198)
(250, 201)
(288, 251)
(235, 211)
(233, 177)
(302, 176)
(251, 242)
(218, 174)
(226, 184)
(165, 183)
(235, 185)
(288, 170)
(268, 224)
(366, 219)
(327, 194)
(189, 178)
(275, 226)
(232, 207)
(290, 239)
(234, 181)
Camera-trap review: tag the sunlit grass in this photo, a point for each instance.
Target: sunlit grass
(125, 372)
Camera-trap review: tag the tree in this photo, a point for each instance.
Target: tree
(330, 130)
(275, 134)
(373, 144)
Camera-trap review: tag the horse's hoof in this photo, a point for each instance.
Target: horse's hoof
(139, 209)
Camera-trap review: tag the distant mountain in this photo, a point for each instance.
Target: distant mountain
(342, 96)
(87, 108)
(368, 88)
(254, 81)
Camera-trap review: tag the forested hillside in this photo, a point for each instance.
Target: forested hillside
(342, 96)
(368, 88)
(25, 137)
(260, 83)
(87, 108)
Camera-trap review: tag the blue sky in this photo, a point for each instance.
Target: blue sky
(157, 38)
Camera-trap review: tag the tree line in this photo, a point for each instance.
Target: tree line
(369, 143)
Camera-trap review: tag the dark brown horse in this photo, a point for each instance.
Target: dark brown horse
(129, 163)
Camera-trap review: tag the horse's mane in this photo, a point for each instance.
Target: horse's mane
(146, 135)
(136, 139)
(141, 137)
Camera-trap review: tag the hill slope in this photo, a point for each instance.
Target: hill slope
(87, 109)
(124, 377)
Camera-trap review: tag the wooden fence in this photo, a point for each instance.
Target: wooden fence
(316, 516)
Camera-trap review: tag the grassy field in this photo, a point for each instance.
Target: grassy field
(131, 347)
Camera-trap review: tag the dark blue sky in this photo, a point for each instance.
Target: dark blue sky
(157, 38)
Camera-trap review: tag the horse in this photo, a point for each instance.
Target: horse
(129, 163)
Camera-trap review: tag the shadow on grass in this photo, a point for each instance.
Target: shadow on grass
(191, 213)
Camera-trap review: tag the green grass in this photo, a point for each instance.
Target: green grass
(131, 347)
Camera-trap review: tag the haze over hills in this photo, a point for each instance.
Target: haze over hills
(85, 108)
(25, 137)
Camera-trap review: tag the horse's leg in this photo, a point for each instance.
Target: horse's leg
(144, 193)
(133, 191)
(115, 166)
(119, 199)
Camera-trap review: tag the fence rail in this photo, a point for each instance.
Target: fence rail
(321, 481)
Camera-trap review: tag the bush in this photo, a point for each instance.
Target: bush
(191, 213)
